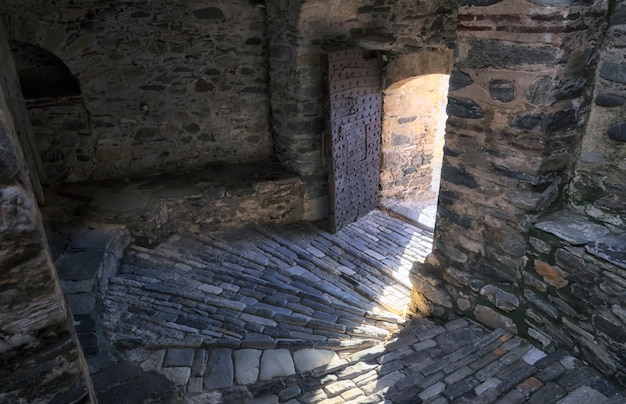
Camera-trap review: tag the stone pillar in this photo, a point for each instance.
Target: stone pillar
(598, 188)
(519, 98)
(297, 103)
(40, 358)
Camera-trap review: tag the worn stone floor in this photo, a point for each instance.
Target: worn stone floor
(294, 314)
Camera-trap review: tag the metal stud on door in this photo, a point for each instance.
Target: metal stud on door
(353, 135)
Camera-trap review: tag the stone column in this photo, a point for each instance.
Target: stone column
(40, 358)
(297, 118)
(519, 98)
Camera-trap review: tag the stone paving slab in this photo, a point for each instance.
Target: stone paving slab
(296, 315)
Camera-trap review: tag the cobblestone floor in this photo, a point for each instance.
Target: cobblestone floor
(297, 315)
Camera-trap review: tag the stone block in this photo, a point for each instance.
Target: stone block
(571, 227)
(464, 108)
(220, 370)
(459, 79)
(276, 363)
(308, 359)
(179, 375)
(500, 54)
(584, 394)
(82, 303)
(503, 300)
(613, 71)
(611, 248)
(178, 357)
(247, 365)
(502, 90)
(493, 319)
(82, 265)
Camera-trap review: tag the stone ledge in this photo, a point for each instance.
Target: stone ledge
(606, 243)
(215, 198)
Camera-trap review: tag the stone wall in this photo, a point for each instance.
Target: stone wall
(40, 358)
(414, 120)
(598, 188)
(574, 288)
(301, 32)
(167, 86)
(575, 279)
(520, 96)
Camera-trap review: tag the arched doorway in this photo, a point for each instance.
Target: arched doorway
(58, 116)
(414, 118)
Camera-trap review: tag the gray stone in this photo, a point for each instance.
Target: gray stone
(611, 248)
(247, 364)
(308, 359)
(618, 132)
(573, 228)
(526, 121)
(503, 300)
(592, 157)
(493, 319)
(610, 101)
(583, 395)
(611, 328)
(92, 240)
(559, 121)
(8, 160)
(121, 202)
(432, 391)
(464, 108)
(459, 79)
(290, 392)
(499, 54)
(495, 274)
(272, 399)
(178, 357)
(613, 71)
(179, 375)
(177, 192)
(502, 90)
(276, 363)
(79, 266)
(458, 176)
(532, 356)
(81, 303)
(220, 370)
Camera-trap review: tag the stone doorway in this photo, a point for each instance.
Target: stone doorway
(409, 141)
(414, 119)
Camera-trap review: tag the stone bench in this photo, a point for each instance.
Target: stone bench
(212, 199)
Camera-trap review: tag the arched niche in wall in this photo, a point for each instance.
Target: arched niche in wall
(58, 116)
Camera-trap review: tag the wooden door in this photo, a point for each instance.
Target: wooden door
(352, 143)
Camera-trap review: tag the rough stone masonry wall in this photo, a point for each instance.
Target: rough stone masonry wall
(520, 95)
(167, 85)
(40, 358)
(575, 281)
(598, 188)
(300, 32)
